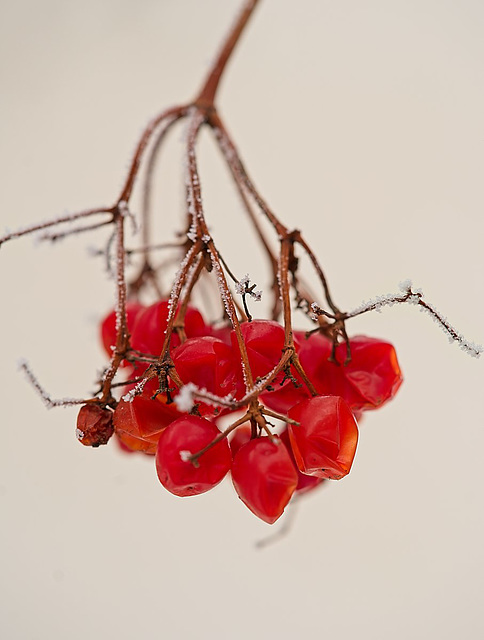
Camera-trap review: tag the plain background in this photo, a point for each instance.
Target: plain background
(361, 123)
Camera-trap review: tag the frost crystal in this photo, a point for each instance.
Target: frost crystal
(415, 297)
(130, 396)
(242, 288)
(184, 400)
(185, 455)
(79, 434)
(242, 284)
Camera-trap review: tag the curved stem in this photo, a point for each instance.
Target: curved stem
(240, 174)
(173, 112)
(199, 224)
(206, 95)
(147, 185)
(122, 335)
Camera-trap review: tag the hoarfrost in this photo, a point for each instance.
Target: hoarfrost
(135, 391)
(184, 400)
(414, 296)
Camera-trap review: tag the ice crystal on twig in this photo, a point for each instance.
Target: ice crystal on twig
(184, 400)
(413, 296)
(243, 287)
(135, 391)
(48, 401)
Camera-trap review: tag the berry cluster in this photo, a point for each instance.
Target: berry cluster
(175, 414)
(174, 378)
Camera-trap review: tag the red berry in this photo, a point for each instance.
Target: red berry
(108, 325)
(371, 378)
(222, 333)
(241, 436)
(184, 437)
(122, 446)
(264, 341)
(94, 425)
(140, 422)
(324, 443)
(264, 477)
(304, 482)
(148, 333)
(209, 364)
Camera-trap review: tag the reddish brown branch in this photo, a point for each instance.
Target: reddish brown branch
(206, 95)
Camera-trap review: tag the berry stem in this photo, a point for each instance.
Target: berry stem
(194, 458)
(206, 95)
(174, 113)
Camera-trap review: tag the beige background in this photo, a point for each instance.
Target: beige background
(361, 122)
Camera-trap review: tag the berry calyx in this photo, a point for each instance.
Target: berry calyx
(324, 442)
(94, 425)
(264, 477)
(180, 441)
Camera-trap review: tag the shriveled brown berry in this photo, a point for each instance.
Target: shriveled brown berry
(94, 425)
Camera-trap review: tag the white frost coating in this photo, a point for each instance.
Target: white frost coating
(242, 287)
(135, 391)
(79, 434)
(125, 211)
(315, 312)
(241, 284)
(123, 208)
(415, 297)
(279, 277)
(178, 283)
(192, 233)
(222, 286)
(206, 238)
(48, 401)
(189, 393)
(184, 400)
(185, 455)
(192, 181)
